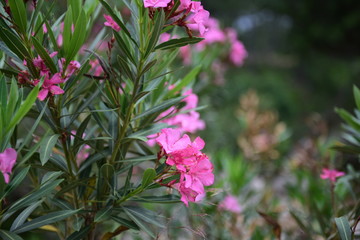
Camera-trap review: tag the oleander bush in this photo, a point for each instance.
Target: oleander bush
(102, 105)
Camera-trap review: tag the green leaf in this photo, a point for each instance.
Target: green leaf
(45, 220)
(125, 68)
(80, 234)
(348, 118)
(24, 108)
(33, 196)
(140, 223)
(343, 227)
(18, 11)
(158, 199)
(357, 96)
(124, 48)
(78, 37)
(148, 177)
(44, 55)
(103, 214)
(159, 108)
(125, 222)
(143, 214)
(13, 100)
(140, 159)
(6, 235)
(14, 183)
(47, 147)
(13, 43)
(176, 43)
(158, 25)
(67, 30)
(24, 215)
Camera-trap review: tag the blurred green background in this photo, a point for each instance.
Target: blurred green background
(303, 59)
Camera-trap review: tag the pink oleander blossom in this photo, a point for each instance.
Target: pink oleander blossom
(331, 174)
(111, 23)
(230, 203)
(7, 161)
(156, 3)
(197, 21)
(194, 167)
(238, 53)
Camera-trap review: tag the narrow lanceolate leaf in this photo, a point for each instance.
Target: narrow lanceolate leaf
(357, 97)
(124, 48)
(47, 147)
(18, 11)
(158, 199)
(33, 196)
(24, 108)
(24, 215)
(6, 235)
(14, 183)
(80, 234)
(159, 108)
(45, 220)
(343, 227)
(139, 222)
(143, 214)
(13, 43)
(44, 55)
(103, 214)
(176, 43)
(159, 24)
(148, 177)
(78, 37)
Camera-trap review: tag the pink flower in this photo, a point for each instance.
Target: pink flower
(331, 174)
(188, 194)
(238, 53)
(49, 85)
(111, 23)
(171, 141)
(194, 167)
(156, 3)
(230, 203)
(198, 20)
(7, 161)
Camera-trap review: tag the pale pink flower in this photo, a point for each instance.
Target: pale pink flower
(156, 3)
(238, 53)
(230, 203)
(331, 174)
(171, 140)
(7, 161)
(198, 20)
(188, 194)
(111, 23)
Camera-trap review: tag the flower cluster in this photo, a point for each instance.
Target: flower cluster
(193, 166)
(189, 14)
(188, 121)
(51, 81)
(7, 161)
